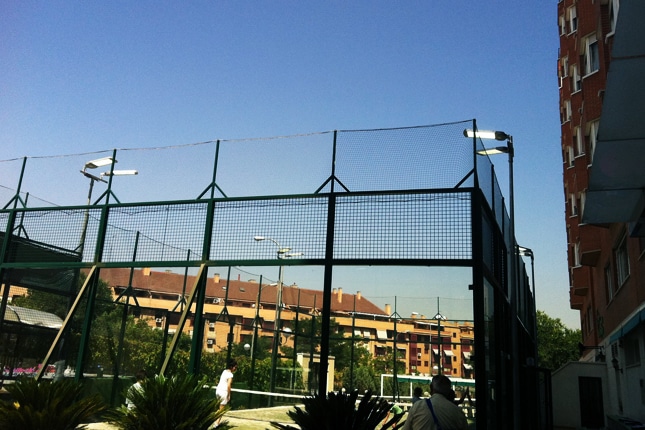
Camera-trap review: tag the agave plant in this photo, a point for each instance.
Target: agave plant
(338, 411)
(174, 403)
(47, 405)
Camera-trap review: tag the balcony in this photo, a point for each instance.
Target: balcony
(590, 244)
(581, 280)
(575, 302)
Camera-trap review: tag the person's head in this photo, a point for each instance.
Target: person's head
(418, 392)
(441, 385)
(141, 375)
(231, 364)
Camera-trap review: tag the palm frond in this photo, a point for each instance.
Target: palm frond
(337, 411)
(57, 405)
(174, 403)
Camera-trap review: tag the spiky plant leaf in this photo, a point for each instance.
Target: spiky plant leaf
(175, 403)
(338, 411)
(47, 405)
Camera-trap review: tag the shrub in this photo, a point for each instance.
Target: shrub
(176, 403)
(47, 405)
(338, 411)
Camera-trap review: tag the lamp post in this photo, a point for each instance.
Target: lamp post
(528, 252)
(282, 252)
(93, 164)
(514, 284)
(510, 150)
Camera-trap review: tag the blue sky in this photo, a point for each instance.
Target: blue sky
(80, 77)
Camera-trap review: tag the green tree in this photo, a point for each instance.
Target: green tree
(557, 344)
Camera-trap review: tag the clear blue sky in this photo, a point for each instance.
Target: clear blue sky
(89, 76)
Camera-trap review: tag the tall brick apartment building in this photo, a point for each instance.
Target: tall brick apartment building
(601, 66)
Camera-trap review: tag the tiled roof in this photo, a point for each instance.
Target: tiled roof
(238, 291)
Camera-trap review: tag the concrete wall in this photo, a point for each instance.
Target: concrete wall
(566, 398)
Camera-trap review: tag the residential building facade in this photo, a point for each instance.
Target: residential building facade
(606, 244)
(426, 346)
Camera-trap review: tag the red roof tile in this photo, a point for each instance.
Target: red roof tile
(238, 291)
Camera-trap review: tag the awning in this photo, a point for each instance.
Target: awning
(381, 334)
(435, 351)
(367, 334)
(32, 317)
(616, 182)
(358, 333)
(448, 353)
(630, 325)
(466, 355)
(467, 366)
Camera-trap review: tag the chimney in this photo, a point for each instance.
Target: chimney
(216, 278)
(340, 295)
(358, 295)
(333, 290)
(146, 271)
(238, 277)
(388, 309)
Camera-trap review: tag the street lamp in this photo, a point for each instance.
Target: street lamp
(282, 253)
(514, 284)
(94, 164)
(508, 149)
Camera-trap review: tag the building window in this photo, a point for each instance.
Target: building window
(609, 283)
(613, 14)
(576, 79)
(574, 204)
(570, 155)
(622, 261)
(572, 19)
(590, 54)
(563, 69)
(632, 350)
(567, 111)
(593, 136)
(577, 141)
(563, 25)
(576, 254)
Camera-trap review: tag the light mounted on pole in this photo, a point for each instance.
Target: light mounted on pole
(282, 252)
(95, 164)
(512, 251)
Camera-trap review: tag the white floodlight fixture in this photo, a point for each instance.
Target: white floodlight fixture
(120, 173)
(100, 162)
(247, 347)
(493, 135)
(486, 134)
(281, 251)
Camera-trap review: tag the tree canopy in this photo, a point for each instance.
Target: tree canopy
(557, 343)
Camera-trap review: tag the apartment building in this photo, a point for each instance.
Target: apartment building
(427, 346)
(600, 73)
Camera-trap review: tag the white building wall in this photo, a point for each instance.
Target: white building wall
(566, 395)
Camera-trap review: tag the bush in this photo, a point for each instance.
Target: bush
(338, 411)
(176, 403)
(47, 405)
